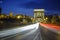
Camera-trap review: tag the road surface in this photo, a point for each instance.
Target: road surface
(29, 32)
(50, 31)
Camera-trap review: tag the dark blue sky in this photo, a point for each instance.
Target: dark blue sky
(27, 6)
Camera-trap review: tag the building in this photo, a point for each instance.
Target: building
(39, 15)
(11, 14)
(2, 16)
(18, 16)
(59, 16)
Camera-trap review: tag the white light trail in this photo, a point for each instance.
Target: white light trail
(18, 30)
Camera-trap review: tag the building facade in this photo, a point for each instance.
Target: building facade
(39, 15)
(11, 14)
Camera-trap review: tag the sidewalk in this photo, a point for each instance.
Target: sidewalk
(51, 26)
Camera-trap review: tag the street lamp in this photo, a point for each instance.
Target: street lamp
(46, 18)
(18, 17)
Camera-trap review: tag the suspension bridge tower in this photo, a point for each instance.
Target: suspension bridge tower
(39, 15)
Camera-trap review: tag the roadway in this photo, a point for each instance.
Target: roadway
(29, 32)
(50, 31)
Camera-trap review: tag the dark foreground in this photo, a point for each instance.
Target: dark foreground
(29, 32)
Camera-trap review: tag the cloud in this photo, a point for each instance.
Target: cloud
(47, 4)
(31, 5)
(51, 12)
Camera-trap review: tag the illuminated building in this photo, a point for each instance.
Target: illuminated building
(2, 16)
(39, 15)
(11, 14)
(19, 16)
(59, 16)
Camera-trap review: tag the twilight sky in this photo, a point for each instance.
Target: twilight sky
(27, 6)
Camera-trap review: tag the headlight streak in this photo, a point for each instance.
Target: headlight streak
(18, 30)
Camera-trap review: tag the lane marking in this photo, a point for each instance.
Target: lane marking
(36, 37)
